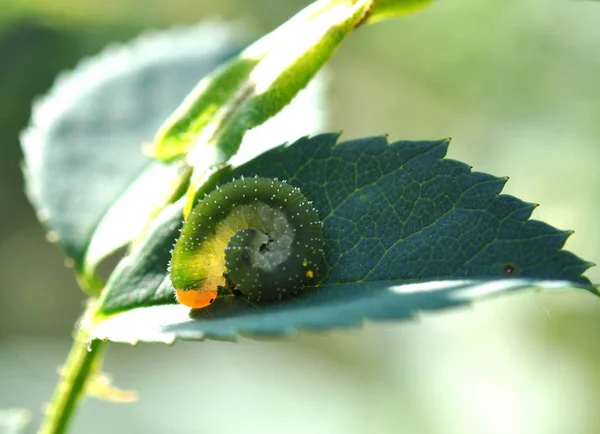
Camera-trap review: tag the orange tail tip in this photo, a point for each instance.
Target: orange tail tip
(196, 299)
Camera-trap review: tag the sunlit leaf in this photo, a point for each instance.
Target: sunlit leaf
(386, 9)
(256, 85)
(83, 147)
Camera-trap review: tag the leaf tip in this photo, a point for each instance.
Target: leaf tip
(445, 142)
(588, 265)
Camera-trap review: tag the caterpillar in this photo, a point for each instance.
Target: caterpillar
(255, 237)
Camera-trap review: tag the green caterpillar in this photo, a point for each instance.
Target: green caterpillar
(257, 237)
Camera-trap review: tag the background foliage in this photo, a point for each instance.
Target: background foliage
(514, 83)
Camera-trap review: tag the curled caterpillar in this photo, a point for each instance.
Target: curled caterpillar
(257, 237)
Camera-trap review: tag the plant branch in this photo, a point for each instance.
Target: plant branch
(83, 360)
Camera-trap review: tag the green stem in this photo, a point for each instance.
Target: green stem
(82, 361)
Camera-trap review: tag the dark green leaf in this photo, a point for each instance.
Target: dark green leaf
(322, 308)
(83, 148)
(392, 214)
(401, 210)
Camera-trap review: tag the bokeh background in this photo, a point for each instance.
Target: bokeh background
(515, 83)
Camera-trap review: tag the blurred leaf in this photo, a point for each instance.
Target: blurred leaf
(392, 214)
(100, 385)
(14, 420)
(129, 215)
(385, 9)
(131, 13)
(322, 308)
(83, 148)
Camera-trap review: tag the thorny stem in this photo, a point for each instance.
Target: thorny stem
(83, 360)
